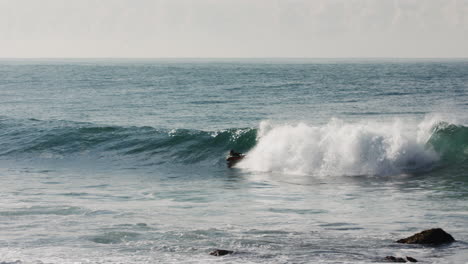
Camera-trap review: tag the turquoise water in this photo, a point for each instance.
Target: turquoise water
(122, 161)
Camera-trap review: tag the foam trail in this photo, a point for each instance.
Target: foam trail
(340, 148)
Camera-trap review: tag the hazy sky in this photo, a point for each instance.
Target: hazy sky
(233, 28)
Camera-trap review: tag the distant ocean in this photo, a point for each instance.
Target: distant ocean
(123, 161)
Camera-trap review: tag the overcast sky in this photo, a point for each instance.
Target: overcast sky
(233, 28)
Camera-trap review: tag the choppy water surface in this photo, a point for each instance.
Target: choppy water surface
(123, 161)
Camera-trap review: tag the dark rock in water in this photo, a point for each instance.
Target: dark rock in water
(221, 252)
(410, 259)
(433, 236)
(394, 259)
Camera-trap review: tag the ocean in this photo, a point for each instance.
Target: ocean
(123, 160)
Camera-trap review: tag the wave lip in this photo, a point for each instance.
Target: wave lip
(363, 148)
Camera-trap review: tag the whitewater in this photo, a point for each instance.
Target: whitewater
(364, 148)
(123, 161)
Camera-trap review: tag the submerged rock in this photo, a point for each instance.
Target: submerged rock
(433, 236)
(220, 252)
(400, 260)
(395, 259)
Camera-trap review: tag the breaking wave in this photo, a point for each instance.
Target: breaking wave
(362, 148)
(336, 148)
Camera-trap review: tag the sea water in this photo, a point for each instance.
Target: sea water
(123, 161)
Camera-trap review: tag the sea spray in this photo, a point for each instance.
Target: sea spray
(342, 148)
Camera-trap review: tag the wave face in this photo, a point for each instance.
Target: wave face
(363, 148)
(64, 139)
(450, 142)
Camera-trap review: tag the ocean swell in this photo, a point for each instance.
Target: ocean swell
(65, 140)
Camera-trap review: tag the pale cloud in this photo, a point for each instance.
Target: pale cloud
(234, 28)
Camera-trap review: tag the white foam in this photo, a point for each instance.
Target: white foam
(342, 148)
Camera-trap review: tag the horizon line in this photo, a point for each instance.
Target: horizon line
(222, 58)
